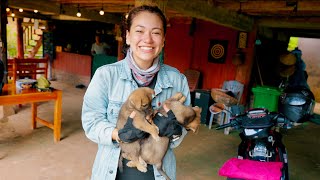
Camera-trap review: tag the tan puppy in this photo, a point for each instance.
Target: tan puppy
(140, 102)
(152, 152)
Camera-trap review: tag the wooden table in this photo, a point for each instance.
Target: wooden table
(12, 95)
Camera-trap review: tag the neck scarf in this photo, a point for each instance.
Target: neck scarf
(143, 77)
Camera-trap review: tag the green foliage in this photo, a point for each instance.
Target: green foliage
(12, 38)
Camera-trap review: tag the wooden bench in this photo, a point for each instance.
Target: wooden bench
(30, 67)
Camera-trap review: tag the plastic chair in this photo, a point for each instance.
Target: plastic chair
(214, 112)
(237, 89)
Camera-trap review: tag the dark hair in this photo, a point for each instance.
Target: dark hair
(152, 9)
(133, 13)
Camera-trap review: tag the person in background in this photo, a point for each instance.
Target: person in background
(99, 47)
(112, 84)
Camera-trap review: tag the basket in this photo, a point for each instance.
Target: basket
(220, 96)
(287, 71)
(288, 59)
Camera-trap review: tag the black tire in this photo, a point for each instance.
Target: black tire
(285, 172)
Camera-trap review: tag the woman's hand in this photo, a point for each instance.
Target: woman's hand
(129, 133)
(115, 132)
(168, 126)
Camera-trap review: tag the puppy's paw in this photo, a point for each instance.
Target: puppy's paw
(132, 164)
(177, 96)
(142, 168)
(142, 162)
(182, 99)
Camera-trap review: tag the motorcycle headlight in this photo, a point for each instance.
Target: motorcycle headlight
(251, 132)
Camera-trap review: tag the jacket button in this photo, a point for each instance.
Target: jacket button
(110, 171)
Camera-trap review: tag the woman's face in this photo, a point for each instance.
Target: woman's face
(146, 38)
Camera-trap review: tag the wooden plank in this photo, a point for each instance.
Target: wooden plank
(51, 8)
(205, 11)
(295, 23)
(43, 122)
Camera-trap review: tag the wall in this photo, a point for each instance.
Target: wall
(178, 46)
(184, 51)
(72, 68)
(311, 56)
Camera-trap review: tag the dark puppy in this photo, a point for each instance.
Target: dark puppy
(140, 102)
(152, 152)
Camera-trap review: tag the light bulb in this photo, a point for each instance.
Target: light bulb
(7, 9)
(35, 11)
(20, 10)
(12, 14)
(101, 12)
(78, 14)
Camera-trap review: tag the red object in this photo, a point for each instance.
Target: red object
(251, 170)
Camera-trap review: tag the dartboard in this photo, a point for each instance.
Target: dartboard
(217, 51)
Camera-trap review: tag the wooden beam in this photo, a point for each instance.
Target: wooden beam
(267, 6)
(206, 11)
(50, 8)
(291, 23)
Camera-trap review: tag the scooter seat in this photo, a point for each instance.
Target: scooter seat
(251, 170)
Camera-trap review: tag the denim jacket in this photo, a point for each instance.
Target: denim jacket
(107, 91)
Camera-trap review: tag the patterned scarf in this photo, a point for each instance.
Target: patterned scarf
(143, 77)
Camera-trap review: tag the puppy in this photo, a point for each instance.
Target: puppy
(140, 102)
(152, 152)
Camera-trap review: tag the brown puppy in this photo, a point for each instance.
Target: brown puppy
(152, 152)
(140, 102)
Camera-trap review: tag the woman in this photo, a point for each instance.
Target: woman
(112, 84)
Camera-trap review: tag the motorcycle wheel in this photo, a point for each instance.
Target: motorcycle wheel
(285, 173)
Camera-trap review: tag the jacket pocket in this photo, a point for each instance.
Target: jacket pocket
(113, 111)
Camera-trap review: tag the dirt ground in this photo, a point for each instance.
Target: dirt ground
(32, 154)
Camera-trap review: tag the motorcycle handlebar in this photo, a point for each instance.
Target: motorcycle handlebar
(235, 121)
(223, 126)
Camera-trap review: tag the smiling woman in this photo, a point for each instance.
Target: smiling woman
(111, 85)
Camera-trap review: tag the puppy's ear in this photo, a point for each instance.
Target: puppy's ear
(150, 93)
(135, 102)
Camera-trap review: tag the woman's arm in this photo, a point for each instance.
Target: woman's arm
(94, 111)
(185, 91)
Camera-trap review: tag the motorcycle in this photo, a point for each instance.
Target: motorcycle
(261, 153)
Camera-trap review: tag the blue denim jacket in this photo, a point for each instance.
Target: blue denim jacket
(107, 91)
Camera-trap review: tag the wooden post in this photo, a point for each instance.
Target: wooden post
(244, 70)
(3, 32)
(20, 38)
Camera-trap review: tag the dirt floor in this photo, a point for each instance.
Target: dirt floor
(32, 155)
